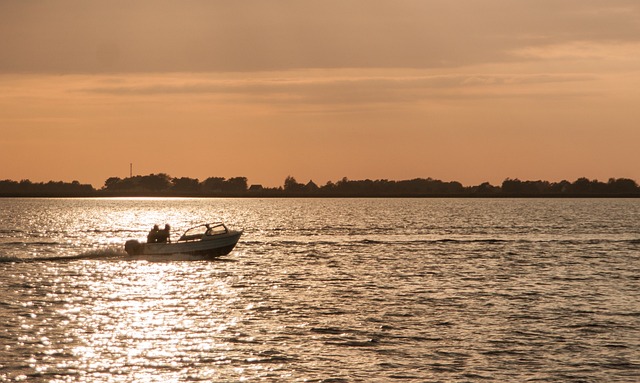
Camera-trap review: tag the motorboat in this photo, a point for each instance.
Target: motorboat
(209, 240)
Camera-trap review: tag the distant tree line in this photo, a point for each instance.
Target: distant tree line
(420, 187)
(164, 185)
(26, 188)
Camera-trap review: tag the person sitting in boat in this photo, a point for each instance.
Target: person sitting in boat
(164, 235)
(153, 234)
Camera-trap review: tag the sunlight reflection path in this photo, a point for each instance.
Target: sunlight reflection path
(143, 325)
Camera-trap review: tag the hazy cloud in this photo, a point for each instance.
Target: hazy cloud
(584, 50)
(336, 90)
(253, 35)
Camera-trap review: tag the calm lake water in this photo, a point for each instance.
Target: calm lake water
(373, 290)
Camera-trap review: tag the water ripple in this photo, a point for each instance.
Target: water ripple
(317, 290)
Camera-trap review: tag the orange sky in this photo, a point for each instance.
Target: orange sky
(465, 90)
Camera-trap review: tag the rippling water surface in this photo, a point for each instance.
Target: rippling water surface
(451, 290)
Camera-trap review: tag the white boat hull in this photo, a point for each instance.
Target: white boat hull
(211, 247)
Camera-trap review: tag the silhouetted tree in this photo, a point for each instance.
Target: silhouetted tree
(560, 188)
(533, 188)
(291, 185)
(485, 188)
(185, 185)
(622, 186)
(155, 182)
(511, 186)
(236, 184)
(9, 187)
(214, 184)
(328, 188)
(112, 183)
(582, 186)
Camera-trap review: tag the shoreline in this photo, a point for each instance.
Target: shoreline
(327, 196)
(165, 186)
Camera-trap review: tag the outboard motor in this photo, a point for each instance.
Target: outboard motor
(133, 247)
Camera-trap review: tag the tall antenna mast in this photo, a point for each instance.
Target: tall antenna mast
(131, 170)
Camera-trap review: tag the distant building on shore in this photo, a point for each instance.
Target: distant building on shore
(256, 188)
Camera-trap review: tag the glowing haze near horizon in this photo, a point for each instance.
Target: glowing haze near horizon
(471, 91)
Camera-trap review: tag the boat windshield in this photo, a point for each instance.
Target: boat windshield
(198, 232)
(195, 233)
(216, 229)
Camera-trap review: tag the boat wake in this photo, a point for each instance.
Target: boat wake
(102, 254)
(174, 258)
(106, 254)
